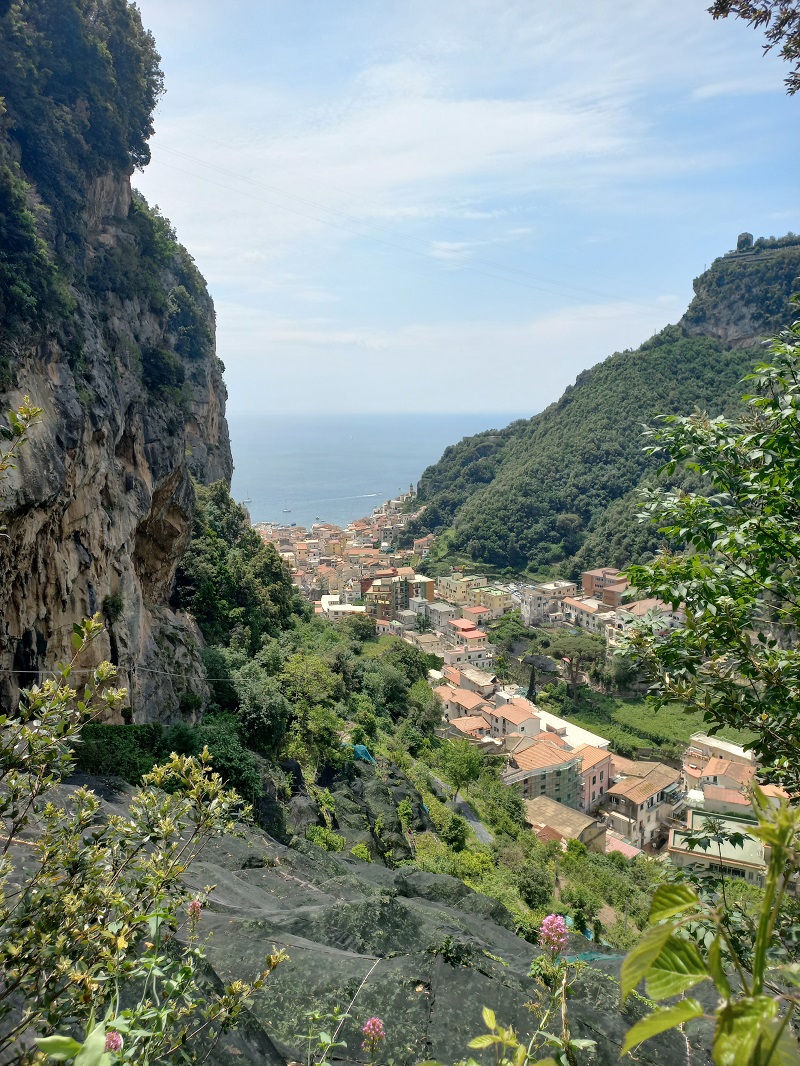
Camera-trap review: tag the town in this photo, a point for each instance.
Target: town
(574, 785)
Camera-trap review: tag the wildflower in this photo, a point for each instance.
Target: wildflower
(553, 933)
(373, 1032)
(113, 1040)
(195, 909)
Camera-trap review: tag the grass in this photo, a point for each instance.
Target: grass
(373, 649)
(634, 721)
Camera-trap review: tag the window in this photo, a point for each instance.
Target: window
(601, 775)
(593, 797)
(594, 779)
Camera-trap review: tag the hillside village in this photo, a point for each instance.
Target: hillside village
(574, 786)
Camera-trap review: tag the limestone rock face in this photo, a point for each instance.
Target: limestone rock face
(99, 510)
(744, 296)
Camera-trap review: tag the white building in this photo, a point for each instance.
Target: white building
(540, 603)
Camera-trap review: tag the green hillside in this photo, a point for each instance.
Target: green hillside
(561, 488)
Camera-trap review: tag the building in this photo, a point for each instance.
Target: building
(440, 614)
(748, 862)
(514, 717)
(543, 603)
(476, 615)
(476, 680)
(496, 601)
(471, 727)
(459, 702)
(596, 769)
(641, 803)
(573, 735)
(705, 747)
(456, 588)
(545, 769)
(423, 545)
(334, 610)
(726, 774)
(480, 657)
(589, 613)
(717, 800)
(544, 812)
(594, 581)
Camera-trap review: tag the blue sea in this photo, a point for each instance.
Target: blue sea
(298, 468)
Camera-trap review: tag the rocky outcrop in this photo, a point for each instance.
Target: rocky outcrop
(421, 951)
(99, 510)
(744, 296)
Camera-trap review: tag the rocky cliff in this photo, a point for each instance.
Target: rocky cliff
(108, 327)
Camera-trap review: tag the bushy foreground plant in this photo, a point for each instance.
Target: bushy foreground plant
(693, 939)
(735, 658)
(98, 932)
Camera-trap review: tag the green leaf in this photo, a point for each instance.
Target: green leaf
(639, 959)
(669, 900)
(58, 1047)
(489, 1018)
(484, 1040)
(660, 1021)
(94, 1048)
(678, 968)
(740, 1026)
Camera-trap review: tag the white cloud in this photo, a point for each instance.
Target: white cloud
(321, 162)
(444, 366)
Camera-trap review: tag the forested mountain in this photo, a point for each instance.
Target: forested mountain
(561, 489)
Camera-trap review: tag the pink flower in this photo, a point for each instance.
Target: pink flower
(195, 910)
(373, 1032)
(113, 1040)
(553, 933)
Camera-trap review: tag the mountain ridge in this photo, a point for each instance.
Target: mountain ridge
(532, 495)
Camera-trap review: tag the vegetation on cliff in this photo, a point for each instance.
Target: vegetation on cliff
(562, 488)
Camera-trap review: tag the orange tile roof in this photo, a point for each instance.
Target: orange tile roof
(462, 623)
(512, 714)
(461, 697)
(640, 788)
(774, 791)
(726, 795)
(470, 723)
(741, 772)
(540, 755)
(591, 755)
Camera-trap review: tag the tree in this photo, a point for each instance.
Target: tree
(781, 19)
(738, 576)
(535, 884)
(576, 651)
(264, 711)
(424, 624)
(362, 626)
(462, 764)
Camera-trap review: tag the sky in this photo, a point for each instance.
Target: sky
(427, 206)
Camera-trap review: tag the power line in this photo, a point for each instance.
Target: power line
(543, 285)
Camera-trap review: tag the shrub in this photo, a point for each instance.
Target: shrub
(361, 851)
(325, 838)
(535, 885)
(454, 833)
(96, 901)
